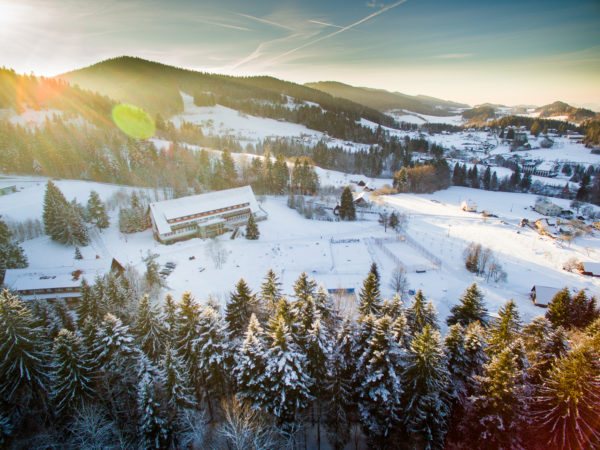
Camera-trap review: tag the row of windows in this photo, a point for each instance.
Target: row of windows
(208, 213)
(63, 290)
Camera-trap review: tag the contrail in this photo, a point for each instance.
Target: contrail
(341, 30)
(318, 22)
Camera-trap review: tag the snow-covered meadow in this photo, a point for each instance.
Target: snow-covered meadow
(337, 254)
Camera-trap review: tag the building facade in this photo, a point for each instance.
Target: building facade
(204, 215)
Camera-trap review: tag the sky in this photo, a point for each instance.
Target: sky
(508, 52)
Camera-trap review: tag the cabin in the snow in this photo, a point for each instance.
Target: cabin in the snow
(204, 215)
(468, 205)
(543, 295)
(591, 269)
(58, 283)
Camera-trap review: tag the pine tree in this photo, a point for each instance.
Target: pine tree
(114, 345)
(286, 377)
(544, 345)
(241, 306)
(170, 317)
(153, 425)
(271, 291)
(249, 370)
(425, 385)
(149, 330)
(252, 231)
(213, 354)
(97, 211)
(494, 415)
(347, 210)
(505, 329)
(178, 394)
(487, 178)
(88, 305)
(184, 338)
(73, 372)
(23, 353)
(380, 389)
(318, 352)
(369, 296)
(78, 253)
(470, 309)
(420, 313)
(12, 255)
(62, 221)
(339, 405)
(375, 271)
(566, 405)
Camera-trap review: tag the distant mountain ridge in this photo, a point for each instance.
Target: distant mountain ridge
(385, 101)
(156, 87)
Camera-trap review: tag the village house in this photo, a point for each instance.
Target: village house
(468, 205)
(543, 295)
(57, 283)
(203, 215)
(547, 208)
(591, 269)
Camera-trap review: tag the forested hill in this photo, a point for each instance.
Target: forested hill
(564, 109)
(156, 87)
(385, 101)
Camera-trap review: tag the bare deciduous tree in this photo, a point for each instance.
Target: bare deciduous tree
(399, 282)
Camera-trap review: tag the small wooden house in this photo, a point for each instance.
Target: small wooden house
(543, 295)
(468, 205)
(591, 269)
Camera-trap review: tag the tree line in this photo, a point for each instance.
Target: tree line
(276, 370)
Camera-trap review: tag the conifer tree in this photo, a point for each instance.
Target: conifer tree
(380, 390)
(286, 377)
(347, 210)
(12, 255)
(495, 413)
(318, 352)
(369, 296)
(544, 345)
(96, 211)
(252, 231)
(505, 329)
(566, 405)
(213, 354)
(420, 313)
(178, 394)
(339, 405)
(271, 291)
(149, 330)
(470, 309)
(487, 178)
(23, 354)
(170, 317)
(375, 271)
(114, 346)
(78, 253)
(425, 385)
(249, 370)
(184, 339)
(73, 372)
(242, 304)
(153, 425)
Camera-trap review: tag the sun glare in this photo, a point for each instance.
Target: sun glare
(11, 14)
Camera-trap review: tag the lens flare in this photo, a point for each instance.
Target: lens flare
(133, 121)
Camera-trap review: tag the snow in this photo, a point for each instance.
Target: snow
(220, 120)
(338, 254)
(420, 119)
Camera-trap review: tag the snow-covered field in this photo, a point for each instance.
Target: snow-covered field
(420, 119)
(337, 254)
(220, 120)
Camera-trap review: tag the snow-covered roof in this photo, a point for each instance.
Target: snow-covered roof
(55, 277)
(185, 207)
(546, 165)
(592, 267)
(544, 294)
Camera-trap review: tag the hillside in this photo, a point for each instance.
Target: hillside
(562, 109)
(384, 101)
(156, 87)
